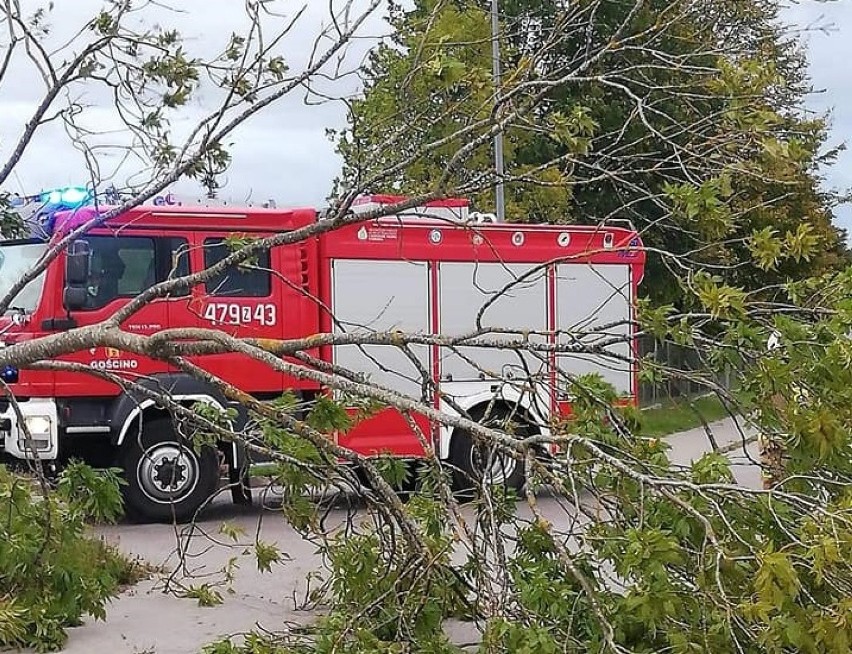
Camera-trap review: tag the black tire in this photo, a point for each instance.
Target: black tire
(469, 463)
(167, 479)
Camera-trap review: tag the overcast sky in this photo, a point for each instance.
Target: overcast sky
(283, 153)
(286, 155)
(829, 41)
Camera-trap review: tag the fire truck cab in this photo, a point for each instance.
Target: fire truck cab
(436, 270)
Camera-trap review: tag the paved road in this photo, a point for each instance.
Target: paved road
(145, 619)
(728, 434)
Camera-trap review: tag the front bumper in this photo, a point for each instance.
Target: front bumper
(42, 418)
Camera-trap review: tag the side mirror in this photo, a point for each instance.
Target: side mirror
(77, 263)
(74, 297)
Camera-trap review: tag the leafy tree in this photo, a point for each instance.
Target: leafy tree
(697, 103)
(51, 572)
(647, 556)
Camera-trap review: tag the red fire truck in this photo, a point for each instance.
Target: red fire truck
(430, 270)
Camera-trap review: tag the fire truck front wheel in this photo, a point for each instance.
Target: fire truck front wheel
(167, 478)
(477, 463)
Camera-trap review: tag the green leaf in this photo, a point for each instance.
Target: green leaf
(328, 415)
(776, 581)
(766, 248)
(206, 595)
(803, 243)
(720, 300)
(266, 554)
(232, 531)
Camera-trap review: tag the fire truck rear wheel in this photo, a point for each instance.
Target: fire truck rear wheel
(167, 479)
(474, 465)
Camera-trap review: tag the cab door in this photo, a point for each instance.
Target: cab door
(122, 267)
(243, 301)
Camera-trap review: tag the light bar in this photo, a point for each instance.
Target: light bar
(72, 196)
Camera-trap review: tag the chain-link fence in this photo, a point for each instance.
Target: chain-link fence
(680, 358)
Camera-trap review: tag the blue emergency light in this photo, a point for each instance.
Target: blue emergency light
(67, 198)
(60, 199)
(70, 197)
(10, 374)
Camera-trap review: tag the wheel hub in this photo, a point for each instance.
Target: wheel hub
(167, 472)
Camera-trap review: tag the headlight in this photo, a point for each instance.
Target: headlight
(39, 428)
(38, 425)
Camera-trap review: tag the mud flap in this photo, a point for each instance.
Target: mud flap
(239, 480)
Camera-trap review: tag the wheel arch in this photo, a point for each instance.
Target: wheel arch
(130, 409)
(509, 397)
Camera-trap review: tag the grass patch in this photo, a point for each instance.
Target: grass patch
(127, 571)
(674, 416)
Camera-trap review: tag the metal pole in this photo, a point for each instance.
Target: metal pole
(498, 137)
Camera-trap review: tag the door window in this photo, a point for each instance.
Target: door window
(124, 266)
(249, 279)
(121, 267)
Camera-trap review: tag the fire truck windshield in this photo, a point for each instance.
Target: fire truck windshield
(16, 258)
